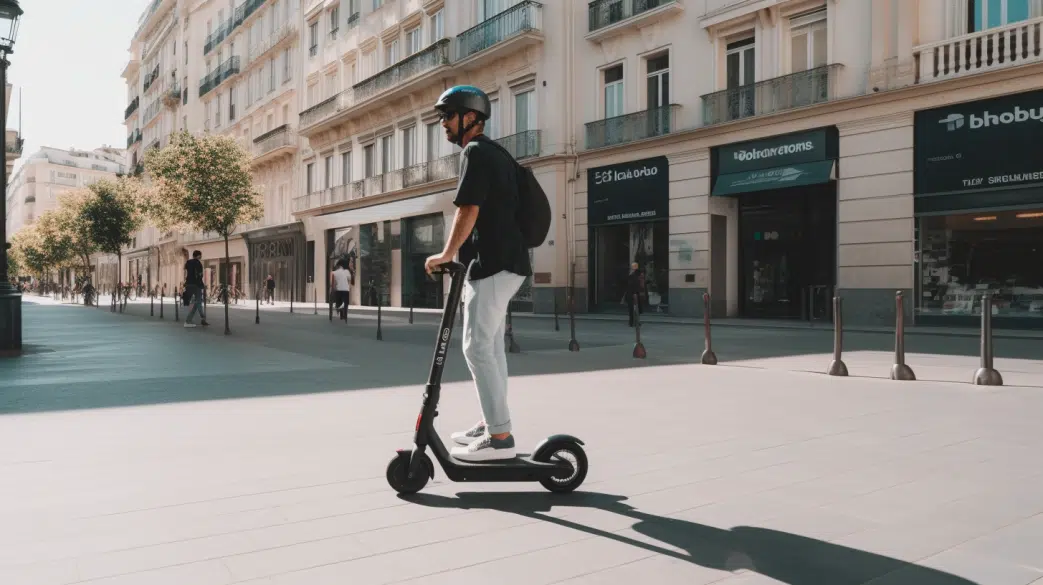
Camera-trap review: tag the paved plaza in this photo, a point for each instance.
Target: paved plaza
(134, 451)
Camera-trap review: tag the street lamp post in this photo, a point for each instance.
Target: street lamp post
(10, 298)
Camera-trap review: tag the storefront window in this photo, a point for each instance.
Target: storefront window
(961, 257)
(619, 246)
(375, 253)
(422, 236)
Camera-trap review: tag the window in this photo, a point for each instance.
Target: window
(985, 14)
(391, 53)
(740, 76)
(377, 4)
(313, 39)
(345, 167)
(492, 125)
(271, 75)
(386, 155)
(408, 145)
(413, 41)
(367, 160)
(438, 25)
(525, 111)
(287, 68)
(231, 103)
(808, 42)
(433, 135)
(328, 179)
(613, 91)
(309, 176)
(490, 8)
(331, 84)
(217, 112)
(334, 21)
(658, 82)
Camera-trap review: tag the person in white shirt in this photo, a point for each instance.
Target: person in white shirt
(340, 284)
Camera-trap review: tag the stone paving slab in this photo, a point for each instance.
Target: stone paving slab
(699, 474)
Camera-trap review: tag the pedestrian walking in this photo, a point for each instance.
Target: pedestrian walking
(194, 289)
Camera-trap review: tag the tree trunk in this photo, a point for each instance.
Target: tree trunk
(119, 281)
(225, 284)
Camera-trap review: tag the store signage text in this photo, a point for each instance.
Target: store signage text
(1004, 179)
(754, 154)
(775, 152)
(629, 192)
(602, 177)
(986, 119)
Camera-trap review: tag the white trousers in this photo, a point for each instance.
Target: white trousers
(485, 323)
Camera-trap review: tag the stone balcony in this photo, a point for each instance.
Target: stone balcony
(273, 144)
(778, 94)
(631, 127)
(995, 48)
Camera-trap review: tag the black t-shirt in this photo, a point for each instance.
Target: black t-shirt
(488, 179)
(195, 272)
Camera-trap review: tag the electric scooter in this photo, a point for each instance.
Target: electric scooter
(558, 462)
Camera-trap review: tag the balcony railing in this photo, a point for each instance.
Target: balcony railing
(520, 18)
(602, 13)
(261, 47)
(151, 77)
(994, 48)
(15, 147)
(631, 127)
(133, 138)
(430, 58)
(412, 176)
(225, 70)
(814, 86)
(523, 144)
(224, 30)
(131, 108)
(280, 137)
(152, 111)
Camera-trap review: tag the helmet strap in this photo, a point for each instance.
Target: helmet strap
(461, 129)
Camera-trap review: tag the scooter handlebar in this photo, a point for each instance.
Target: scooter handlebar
(452, 268)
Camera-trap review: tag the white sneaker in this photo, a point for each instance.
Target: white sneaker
(189, 325)
(486, 449)
(469, 436)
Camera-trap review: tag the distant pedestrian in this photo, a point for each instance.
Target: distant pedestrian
(194, 288)
(635, 286)
(340, 284)
(269, 289)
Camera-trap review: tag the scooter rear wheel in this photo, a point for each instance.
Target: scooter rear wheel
(398, 474)
(568, 481)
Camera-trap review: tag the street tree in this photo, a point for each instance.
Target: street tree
(112, 214)
(54, 242)
(203, 183)
(74, 223)
(27, 250)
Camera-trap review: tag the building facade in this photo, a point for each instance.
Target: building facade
(795, 162)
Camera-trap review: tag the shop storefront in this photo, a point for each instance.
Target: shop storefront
(979, 212)
(628, 208)
(280, 252)
(787, 213)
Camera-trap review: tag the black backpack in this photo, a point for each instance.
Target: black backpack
(534, 213)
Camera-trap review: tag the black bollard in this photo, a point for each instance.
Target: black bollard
(257, 309)
(900, 371)
(556, 327)
(709, 358)
(412, 301)
(291, 299)
(573, 344)
(315, 300)
(380, 335)
(161, 303)
(508, 337)
(639, 348)
(177, 305)
(986, 375)
(329, 301)
(151, 305)
(837, 367)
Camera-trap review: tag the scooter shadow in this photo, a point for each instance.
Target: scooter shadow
(785, 557)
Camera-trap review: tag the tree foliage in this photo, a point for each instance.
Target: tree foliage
(28, 252)
(111, 213)
(53, 241)
(202, 183)
(72, 220)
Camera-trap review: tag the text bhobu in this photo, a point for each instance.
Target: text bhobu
(602, 177)
(633, 215)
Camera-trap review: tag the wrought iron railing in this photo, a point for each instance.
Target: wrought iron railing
(274, 139)
(15, 147)
(225, 70)
(631, 127)
(224, 30)
(420, 174)
(133, 138)
(132, 107)
(795, 90)
(151, 77)
(523, 144)
(602, 13)
(430, 58)
(520, 18)
(152, 111)
(258, 49)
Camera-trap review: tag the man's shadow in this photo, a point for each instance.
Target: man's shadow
(790, 558)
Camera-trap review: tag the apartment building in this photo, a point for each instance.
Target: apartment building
(808, 148)
(14, 141)
(245, 58)
(378, 174)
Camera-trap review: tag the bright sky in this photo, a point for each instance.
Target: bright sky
(67, 62)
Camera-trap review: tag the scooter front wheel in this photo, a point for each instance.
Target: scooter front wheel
(574, 455)
(398, 473)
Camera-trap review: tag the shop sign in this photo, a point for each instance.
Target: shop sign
(987, 144)
(628, 192)
(774, 152)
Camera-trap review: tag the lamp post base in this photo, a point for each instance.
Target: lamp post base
(10, 320)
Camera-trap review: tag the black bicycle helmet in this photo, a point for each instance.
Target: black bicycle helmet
(462, 99)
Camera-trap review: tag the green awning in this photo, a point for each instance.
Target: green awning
(797, 175)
